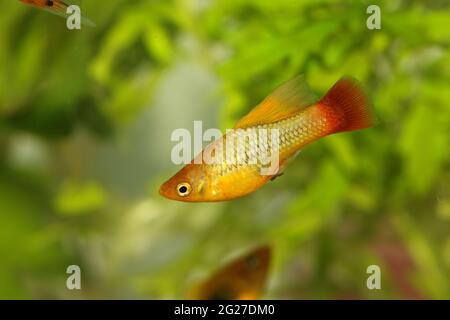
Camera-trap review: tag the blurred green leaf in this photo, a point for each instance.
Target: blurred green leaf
(75, 198)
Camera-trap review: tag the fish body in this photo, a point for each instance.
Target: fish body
(57, 7)
(291, 112)
(242, 279)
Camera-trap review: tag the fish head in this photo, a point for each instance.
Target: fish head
(256, 263)
(249, 274)
(188, 185)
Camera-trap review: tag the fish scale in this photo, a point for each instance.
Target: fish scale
(294, 133)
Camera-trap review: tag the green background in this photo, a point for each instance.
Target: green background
(85, 124)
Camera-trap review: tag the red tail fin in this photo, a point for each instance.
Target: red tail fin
(347, 106)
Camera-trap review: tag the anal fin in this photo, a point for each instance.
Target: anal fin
(276, 176)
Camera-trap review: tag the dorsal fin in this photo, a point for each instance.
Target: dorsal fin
(283, 102)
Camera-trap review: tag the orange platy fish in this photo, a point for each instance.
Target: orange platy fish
(242, 279)
(57, 7)
(299, 120)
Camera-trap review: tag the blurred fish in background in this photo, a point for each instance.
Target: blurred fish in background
(242, 279)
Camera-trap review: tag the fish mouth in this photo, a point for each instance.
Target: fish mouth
(163, 191)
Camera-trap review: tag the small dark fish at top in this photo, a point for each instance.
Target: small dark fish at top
(57, 7)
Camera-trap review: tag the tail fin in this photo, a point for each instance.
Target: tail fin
(60, 7)
(348, 106)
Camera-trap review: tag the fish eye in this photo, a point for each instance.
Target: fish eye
(252, 262)
(184, 189)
